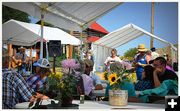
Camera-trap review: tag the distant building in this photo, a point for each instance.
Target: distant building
(91, 34)
(95, 32)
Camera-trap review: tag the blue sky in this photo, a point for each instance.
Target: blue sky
(165, 24)
(139, 13)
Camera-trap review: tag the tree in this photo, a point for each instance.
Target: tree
(45, 24)
(131, 52)
(9, 13)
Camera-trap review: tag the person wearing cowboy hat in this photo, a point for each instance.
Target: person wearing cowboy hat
(140, 61)
(22, 57)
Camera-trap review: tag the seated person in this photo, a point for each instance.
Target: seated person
(165, 81)
(15, 88)
(147, 79)
(80, 85)
(38, 80)
(91, 81)
(161, 73)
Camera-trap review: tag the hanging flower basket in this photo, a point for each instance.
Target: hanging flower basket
(118, 97)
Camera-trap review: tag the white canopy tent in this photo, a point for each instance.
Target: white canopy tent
(102, 47)
(67, 15)
(27, 34)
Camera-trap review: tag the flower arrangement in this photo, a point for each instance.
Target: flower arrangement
(116, 76)
(64, 83)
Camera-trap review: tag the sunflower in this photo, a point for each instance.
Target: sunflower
(112, 78)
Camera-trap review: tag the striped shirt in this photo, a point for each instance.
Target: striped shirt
(15, 89)
(36, 83)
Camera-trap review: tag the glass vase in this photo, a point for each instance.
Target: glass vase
(118, 97)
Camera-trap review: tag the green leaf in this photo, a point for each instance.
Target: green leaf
(10, 13)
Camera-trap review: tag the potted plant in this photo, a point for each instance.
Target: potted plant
(61, 86)
(64, 84)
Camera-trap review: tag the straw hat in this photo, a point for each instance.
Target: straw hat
(141, 48)
(21, 48)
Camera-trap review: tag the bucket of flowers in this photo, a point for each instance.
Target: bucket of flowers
(116, 77)
(63, 85)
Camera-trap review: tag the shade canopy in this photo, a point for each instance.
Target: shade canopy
(27, 34)
(67, 15)
(103, 46)
(74, 16)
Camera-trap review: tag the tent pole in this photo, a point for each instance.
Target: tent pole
(71, 48)
(81, 48)
(172, 56)
(47, 52)
(9, 54)
(42, 24)
(152, 25)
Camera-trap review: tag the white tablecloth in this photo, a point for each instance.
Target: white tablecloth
(102, 105)
(105, 105)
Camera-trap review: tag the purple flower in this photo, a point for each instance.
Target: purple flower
(126, 64)
(70, 63)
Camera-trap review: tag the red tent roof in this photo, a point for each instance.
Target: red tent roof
(97, 27)
(92, 38)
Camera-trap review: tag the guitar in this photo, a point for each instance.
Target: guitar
(15, 62)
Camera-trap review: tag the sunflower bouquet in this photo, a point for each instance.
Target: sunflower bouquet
(117, 75)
